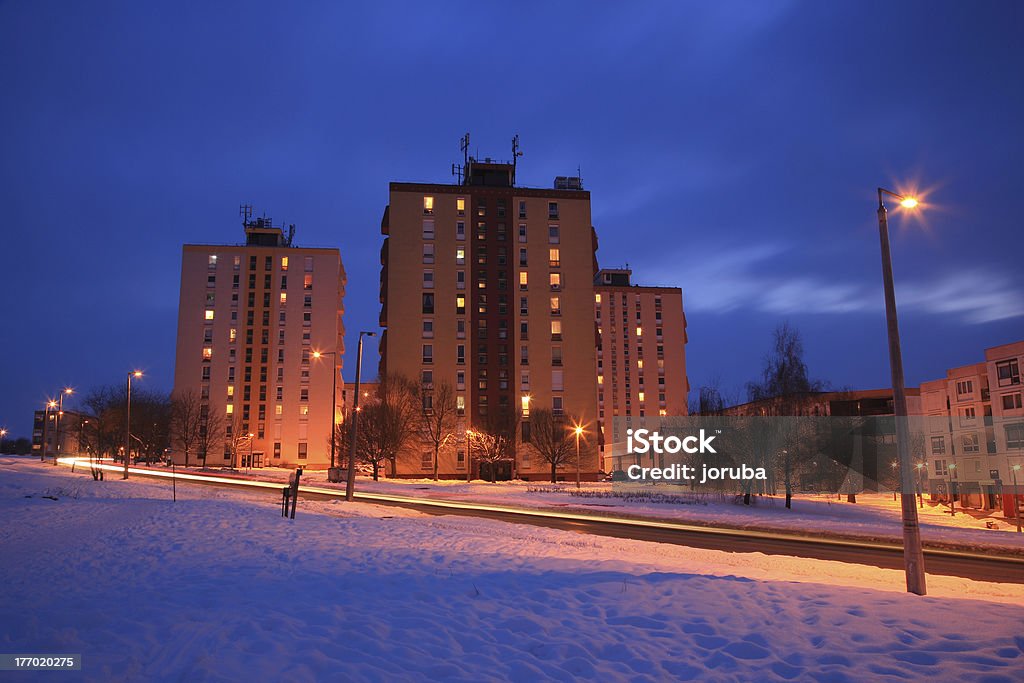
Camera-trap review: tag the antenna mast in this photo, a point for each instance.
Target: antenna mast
(516, 153)
(245, 211)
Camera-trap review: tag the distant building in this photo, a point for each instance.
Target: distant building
(250, 317)
(488, 286)
(975, 431)
(61, 434)
(641, 358)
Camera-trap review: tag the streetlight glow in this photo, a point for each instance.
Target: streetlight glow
(908, 202)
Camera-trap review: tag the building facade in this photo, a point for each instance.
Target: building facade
(641, 358)
(975, 431)
(488, 287)
(60, 433)
(250, 317)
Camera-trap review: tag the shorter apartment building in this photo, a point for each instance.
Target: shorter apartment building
(641, 359)
(975, 431)
(63, 434)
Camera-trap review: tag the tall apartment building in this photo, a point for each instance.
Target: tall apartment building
(489, 287)
(975, 431)
(250, 317)
(641, 358)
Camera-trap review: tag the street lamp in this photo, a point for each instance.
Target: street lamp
(950, 471)
(60, 414)
(50, 405)
(578, 430)
(1016, 503)
(351, 480)
(920, 484)
(128, 420)
(3, 435)
(469, 455)
(334, 396)
(913, 553)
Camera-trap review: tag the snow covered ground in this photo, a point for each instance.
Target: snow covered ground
(874, 516)
(217, 587)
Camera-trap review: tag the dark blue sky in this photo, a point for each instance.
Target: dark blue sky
(731, 149)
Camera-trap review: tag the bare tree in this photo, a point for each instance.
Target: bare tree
(437, 418)
(238, 439)
(494, 440)
(786, 385)
(552, 441)
(186, 421)
(388, 422)
(211, 431)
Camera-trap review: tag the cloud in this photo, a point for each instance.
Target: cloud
(747, 279)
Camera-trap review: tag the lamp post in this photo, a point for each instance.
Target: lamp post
(578, 430)
(469, 455)
(334, 396)
(350, 482)
(950, 471)
(128, 420)
(1016, 503)
(913, 553)
(50, 405)
(3, 435)
(921, 484)
(60, 414)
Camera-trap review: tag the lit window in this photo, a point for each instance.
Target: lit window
(278, 409)
(460, 206)
(460, 304)
(523, 280)
(232, 334)
(428, 205)
(556, 280)
(209, 314)
(230, 408)
(597, 298)
(640, 364)
(212, 261)
(284, 263)
(600, 379)
(284, 298)
(460, 403)
(639, 331)
(525, 402)
(207, 353)
(555, 306)
(231, 390)
(641, 396)
(553, 259)
(662, 412)
(556, 329)
(460, 256)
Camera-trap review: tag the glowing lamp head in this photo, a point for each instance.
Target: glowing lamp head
(137, 374)
(908, 202)
(69, 391)
(51, 404)
(316, 354)
(578, 430)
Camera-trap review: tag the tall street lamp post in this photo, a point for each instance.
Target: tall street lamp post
(3, 435)
(578, 430)
(128, 420)
(950, 472)
(1016, 493)
(351, 479)
(469, 455)
(334, 397)
(913, 553)
(60, 415)
(50, 405)
(920, 484)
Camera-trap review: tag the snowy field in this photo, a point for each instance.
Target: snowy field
(217, 587)
(874, 516)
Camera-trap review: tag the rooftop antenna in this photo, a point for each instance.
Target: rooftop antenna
(245, 211)
(462, 170)
(291, 234)
(516, 153)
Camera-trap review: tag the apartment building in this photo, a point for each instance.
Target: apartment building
(61, 434)
(641, 358)
(975, 431)
(488, 286)
(250, 318)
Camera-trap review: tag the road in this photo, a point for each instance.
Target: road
(987, 567)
